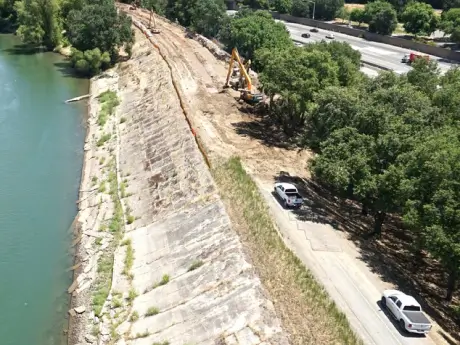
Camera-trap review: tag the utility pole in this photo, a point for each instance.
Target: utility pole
(314, 5)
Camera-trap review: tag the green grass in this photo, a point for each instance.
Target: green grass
(109, 101)
(126, 242)
(117, 303)
(129, 259)
(103, 139)
(152, 311)
(132, 295)
(134, 316)
(164, 342)
(142, 335)
(313, 316)
(195, 264)
(102, 187)
(130, 219)
(164, 280)
(93, 180)
(98, 241)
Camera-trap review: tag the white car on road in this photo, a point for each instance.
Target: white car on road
(330, 36)
(407, 311)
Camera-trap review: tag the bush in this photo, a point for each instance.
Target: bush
(90, 62)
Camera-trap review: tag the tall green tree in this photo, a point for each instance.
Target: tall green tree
(432, 175)
(381, 17)
(282, 6)
(419, 18)
(357, 15)
(98, 25)
(425, 75)
(450, 23)
(300, 8)
(39, 22)
(326, 9)
(207, 15)
(254, 31)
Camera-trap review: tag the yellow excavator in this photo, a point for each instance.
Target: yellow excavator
(137, 4)
(244, 84)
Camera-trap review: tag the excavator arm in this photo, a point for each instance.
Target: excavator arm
(244, 73)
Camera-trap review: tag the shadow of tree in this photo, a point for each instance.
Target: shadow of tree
(263, 129)
(25, 49)
(390, 256)
(67, 71)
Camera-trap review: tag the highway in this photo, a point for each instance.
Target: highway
(383, 55)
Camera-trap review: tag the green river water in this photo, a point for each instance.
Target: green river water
(41, 153)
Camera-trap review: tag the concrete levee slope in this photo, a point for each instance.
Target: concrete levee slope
(181, 231)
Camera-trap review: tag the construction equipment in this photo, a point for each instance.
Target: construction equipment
(244, 84)
(153, 30)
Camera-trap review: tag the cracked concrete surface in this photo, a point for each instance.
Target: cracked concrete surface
(180, 222)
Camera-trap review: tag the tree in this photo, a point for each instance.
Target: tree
(282, 6)
(257, 4)
(98, 25)
(357, 15)
(300, 8)
(39, 22)
(431, 184)
(450, 23)
(295, 75)
(419, 18)
(447, 98)
(180, 10)
(158, 6)
(448, 4)
(326, 9)
(206, 17)
(424, 75)
(381, 17)
(343, 13)
(254, 31)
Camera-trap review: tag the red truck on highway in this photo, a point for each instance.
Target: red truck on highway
(409, 58)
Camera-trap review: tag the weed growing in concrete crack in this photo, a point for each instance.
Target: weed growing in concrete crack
(152, 311)
(117, 303)
(98, 241)
(101, 160)
(102, 187)
(129, 258)
(130, 219)
(195, 264)
(142, 335)
(131, 296)
(103, 227)
(165, 342)
(93, 180)
(108, 101)
(103, 139)
(123, 119)
(134, 316)
(126, 242)
(123, 189)
(95, 330)
(164, 280)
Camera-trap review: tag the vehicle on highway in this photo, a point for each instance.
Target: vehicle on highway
(289, 195)
(409, 58)
(314, 30)
(407, 311)
(305, 35)
(330, 36)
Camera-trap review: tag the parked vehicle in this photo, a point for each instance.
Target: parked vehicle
(298, 44)
(314, 30)
(409, 58)
(330, 36)
(289, 195)
(305, 35)
(407, 311)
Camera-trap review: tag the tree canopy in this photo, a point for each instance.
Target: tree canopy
(381, 17)
(450, 23)
(419, 18)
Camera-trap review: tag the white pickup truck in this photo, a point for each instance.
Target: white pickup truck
(289, 195)
(407, 311)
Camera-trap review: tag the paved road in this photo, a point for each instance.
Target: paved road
(384, 55)
(349, 285)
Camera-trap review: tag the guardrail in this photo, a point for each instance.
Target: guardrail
(394, 41)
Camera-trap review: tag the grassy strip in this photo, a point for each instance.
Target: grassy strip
(103, 281)
(307, 312)
(109, 102)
